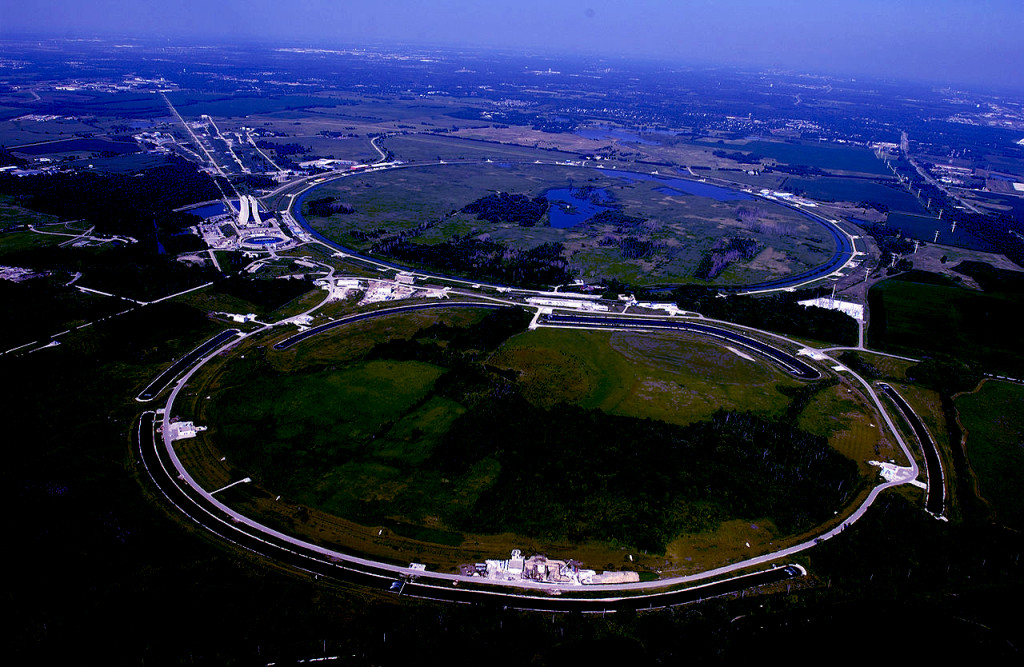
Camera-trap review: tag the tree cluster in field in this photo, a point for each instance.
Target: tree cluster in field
(444, 345)
(714, 261)
(631, 247)
(777, 312)
(117, 203)
(567, 472)
(505, 207)
(623, 223)
(333, 134)
(737, 156)
(266, 295)
(890, 240)
(254, 181)
(541, 265)
(328, 206)
(284, 150)
(878, 206)
(858, 365)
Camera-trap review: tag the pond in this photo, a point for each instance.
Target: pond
(571, 206)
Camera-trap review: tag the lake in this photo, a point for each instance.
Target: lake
(569, 209)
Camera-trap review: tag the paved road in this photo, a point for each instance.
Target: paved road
(935, 498)
(841, 257)
(213, 516)
(179, 366)
(299, 337)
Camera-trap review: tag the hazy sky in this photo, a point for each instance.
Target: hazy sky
(954, 40)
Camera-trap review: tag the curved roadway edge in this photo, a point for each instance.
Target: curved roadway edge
(791, 364)
(320, 562)
(179, 366)
(846, 247)
(935, 498)
(430, 584)
(299, 337)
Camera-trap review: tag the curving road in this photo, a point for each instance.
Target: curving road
(841, 257)
(301, 336)
(935, 498)
(231, 527)
(199, 504)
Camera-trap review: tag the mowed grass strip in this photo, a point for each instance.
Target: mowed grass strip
(994, 419)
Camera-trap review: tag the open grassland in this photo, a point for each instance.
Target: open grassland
(349, 441)
(12, 242)
(657, 235)
(993, 417)
(829, 157)
(429, 147)
(851, 424)
(672, 378)
(978, 326)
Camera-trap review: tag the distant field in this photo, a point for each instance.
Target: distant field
(95, 145)
(983, 326)
(829, 157)
(668, 232)
(994, 422)
(676, 379)
(855, 190)
(428, 147)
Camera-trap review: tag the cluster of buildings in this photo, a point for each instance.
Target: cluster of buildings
(245, 229)
(375, 290)
(542, 569)
(17, 274)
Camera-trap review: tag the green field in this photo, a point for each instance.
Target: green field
(671, 378)
(12, 242)
(994, 421)
(672, 230)
(829, 157)
(908, 310)
(855, 190)
(368, 433)
(429, 147)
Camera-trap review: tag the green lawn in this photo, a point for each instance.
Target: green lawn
(923, 313)
(677, 379)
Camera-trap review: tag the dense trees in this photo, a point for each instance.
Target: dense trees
(584, 474)
(328, 206)
(714, 261)
(486, 260)
(779, 312)
(504, 207)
